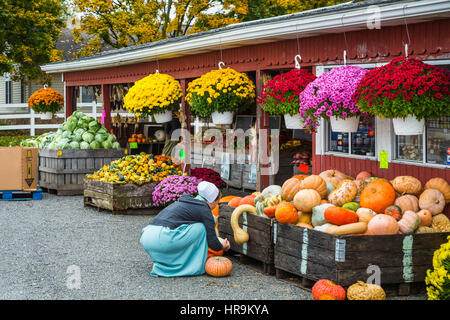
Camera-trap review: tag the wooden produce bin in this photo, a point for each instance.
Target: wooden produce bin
(120, 198)
(62, 171)
(402, 260)
(258, 252)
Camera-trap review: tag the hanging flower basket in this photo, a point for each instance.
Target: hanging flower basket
(280, 96)
(222, 117)
(223, 90)
(154, 94)
(163, 116)
(46, 101)
(330, 96)
(408, 126)
(405, 87)
(344, 125)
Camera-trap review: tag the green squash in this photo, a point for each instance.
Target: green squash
(351, 206)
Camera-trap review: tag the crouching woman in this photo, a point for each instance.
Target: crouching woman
(178, 238)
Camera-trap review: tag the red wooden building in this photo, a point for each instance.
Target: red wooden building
(371, 32)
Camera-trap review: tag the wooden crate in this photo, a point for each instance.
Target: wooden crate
(62, 171)
(259, 247)
(402, 260)
(120, 198)
(246, 183)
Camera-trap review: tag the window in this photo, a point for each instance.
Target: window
(87, 94)
(360, 143)
(433, 147)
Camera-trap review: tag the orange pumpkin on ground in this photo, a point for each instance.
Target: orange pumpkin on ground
(327, 290)
(340, 216)
(218, 266)
(235, 202)
(286, 212)
(247, 200)
(377, 195)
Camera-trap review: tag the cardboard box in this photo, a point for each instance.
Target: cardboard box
(18, 168)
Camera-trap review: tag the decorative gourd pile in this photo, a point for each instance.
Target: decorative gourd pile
(137, 169)
(336, 203)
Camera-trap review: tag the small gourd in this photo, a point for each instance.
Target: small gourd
(425, 217)
(394, 211)
(351, 206)
(327, 290)
(345, 192)
(409, 222)
(365, 291)
(240, 235)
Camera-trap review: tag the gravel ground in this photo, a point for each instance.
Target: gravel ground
(46, 243)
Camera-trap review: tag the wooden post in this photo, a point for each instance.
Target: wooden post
(262, 181)
(107, 105)
(187, 111)
(69, 101)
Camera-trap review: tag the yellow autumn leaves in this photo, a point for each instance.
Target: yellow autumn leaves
(155, 93)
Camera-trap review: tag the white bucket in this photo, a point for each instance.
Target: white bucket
(46, 115)
(408, 126)
(293, 122)
(344, 125)
(222, 117)
(163, 117)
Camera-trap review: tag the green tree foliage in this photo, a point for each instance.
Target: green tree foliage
(28, 32)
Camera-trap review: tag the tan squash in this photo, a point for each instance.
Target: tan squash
(441, 185)
(425, 217)
(440, 223)
(432, 200)
(333, 176)
(304, 217)
(365, 291)
(289, 188)
(406, 185)
(365, 214)
(345, 192)
(407, 202)
(315, 182)
(305, 200)
(350, 228)
(424, 229)
(240, 235)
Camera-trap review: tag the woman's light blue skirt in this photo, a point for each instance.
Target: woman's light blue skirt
(176, 252)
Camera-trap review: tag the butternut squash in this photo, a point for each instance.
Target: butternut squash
(240, 235)
(350, 228)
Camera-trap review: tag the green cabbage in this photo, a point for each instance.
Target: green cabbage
(116, 145)
(107, 145)
(100, 137)
(84, 145)
(74, 145)
(95, 145)
(88, 137)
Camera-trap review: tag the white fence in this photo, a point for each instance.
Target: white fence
(22, 111)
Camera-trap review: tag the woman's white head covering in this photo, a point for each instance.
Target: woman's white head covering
(208, 191)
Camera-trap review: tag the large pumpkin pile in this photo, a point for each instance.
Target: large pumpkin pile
(336, 203)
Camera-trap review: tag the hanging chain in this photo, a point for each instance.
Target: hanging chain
(345, 41)
(298, 57)
(407, 32)
(221, 63)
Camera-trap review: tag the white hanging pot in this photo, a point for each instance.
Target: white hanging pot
(222, 117)
(344, 125)
(408, 126)
(46, 115)
(163, 117)
(293, 122)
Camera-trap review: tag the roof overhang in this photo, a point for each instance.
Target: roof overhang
(336, 19)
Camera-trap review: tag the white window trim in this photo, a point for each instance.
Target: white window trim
(384, 140)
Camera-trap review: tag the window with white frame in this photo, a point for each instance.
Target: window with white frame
(433, 146)
(360, 143)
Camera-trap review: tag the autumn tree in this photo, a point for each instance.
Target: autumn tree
(28, 32)
(122, 23)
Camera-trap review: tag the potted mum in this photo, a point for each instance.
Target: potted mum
(46, 101)
(329, 96)
(280, 96)
(172, 188)
(219, 94)
(206, 174)
(155, 95)
(406, 90)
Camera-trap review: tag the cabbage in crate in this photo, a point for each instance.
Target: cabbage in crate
(78, 132)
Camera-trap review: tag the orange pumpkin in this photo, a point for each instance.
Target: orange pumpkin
(407, 202)
(305, 200)
(289, 188)
(250, 199)
(315, 182)
(300, 176)
(226, 199)
(340, 216)
(363, 175)
(286, 212)
(382, 224)
(327, 290)
(218, 266)
(235, 202)
(377, 195)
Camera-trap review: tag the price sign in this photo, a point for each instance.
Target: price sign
(133, 145)
(384, 163)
